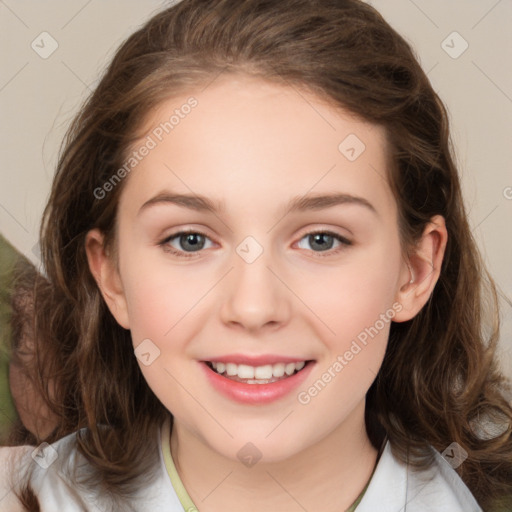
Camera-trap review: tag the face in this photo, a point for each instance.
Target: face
(258, 233)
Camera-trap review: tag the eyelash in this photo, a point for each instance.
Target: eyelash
(183, 254)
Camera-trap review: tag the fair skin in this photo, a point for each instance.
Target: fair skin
(254, 146)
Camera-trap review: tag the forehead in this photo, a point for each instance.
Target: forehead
(245, 137)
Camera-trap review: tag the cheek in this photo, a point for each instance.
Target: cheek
(161, 311)
(354, 295)
(150, 311)
(357, 304)
(158, 298)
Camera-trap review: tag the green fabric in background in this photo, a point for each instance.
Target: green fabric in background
(8, 256)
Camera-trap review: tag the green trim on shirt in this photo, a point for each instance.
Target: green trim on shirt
(185, 499)
(354, 505)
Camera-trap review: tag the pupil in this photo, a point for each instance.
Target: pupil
(318, 237)
(192, 240)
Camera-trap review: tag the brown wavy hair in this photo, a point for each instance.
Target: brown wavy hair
(439, 382)
(25, 279)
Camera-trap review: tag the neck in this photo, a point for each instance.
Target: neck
(328, 475)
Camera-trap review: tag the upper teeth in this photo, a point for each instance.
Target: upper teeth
(267, 371)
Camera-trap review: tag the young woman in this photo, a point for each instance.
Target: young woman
(266, 293)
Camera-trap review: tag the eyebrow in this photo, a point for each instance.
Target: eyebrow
(297, 204)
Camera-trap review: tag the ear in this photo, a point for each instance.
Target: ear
(420, 272)
(107, 277)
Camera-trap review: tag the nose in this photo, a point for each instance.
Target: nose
(256, 297)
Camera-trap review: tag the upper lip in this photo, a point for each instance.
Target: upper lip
(254, 360)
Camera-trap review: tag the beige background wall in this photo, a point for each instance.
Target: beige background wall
(40, 91)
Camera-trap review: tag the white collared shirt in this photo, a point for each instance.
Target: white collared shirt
(394, 487)
(397, 487)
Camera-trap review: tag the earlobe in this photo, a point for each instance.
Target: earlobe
(107, 276)
(421, 270)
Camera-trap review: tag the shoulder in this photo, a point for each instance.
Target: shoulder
(14, 462)
(397, 486)
(50, 471)
(58, 475)
(440, 488)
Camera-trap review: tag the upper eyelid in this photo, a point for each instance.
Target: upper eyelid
(184, 231)
(328, 231)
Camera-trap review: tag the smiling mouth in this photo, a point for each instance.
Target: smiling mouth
(266, 374)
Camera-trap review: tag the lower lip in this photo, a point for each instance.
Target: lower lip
(256, 393)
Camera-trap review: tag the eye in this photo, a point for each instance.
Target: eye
(323, 241)
(185, 242)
